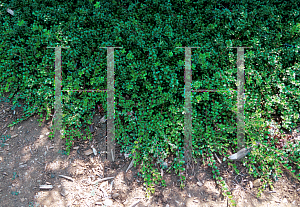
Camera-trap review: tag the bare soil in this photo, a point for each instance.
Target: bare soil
(26, 162)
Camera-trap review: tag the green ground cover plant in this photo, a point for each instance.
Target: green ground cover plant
(151, 69)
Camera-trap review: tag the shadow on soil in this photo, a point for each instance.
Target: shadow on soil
(27, 162)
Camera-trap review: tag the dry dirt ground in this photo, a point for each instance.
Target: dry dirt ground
(26, 163)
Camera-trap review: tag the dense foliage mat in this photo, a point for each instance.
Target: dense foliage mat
(150, 68)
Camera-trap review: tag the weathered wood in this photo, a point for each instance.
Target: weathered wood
(57, 118)
(110, 104)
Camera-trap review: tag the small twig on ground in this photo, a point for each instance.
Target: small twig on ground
(46, 187)
(130, 165)
(102, 179)
(217, 158)
(69, 178)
